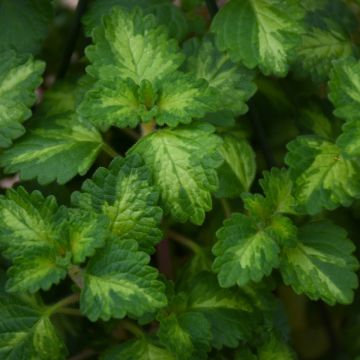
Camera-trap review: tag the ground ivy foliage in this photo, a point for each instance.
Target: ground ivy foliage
(176, 201)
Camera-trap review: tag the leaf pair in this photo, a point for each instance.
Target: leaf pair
(250, 246)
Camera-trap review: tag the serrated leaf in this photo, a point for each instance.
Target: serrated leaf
(31, 233)
(319, 47)
(259, 32)
(140, 349)
(345, 95)
(321, 265)
(323, 177)
(87, 232)
(233, 314)
(24, 24)
(131, 45)
(274, 348)
(244, 252)
(118, 281)
(187, 335)
(183, 162)
(278, 187)
(124, 194)
(26, 332)
(55, 148)
(237, 172)
(165, 12)
(231, 81)
(19, 77)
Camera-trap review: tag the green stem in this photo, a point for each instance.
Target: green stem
(132, 328)
(147, 128)
(110, 151)
(226, 207)
(183, 240)
(69, 311)
(71, 299)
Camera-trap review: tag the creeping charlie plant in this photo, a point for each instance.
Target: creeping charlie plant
(179, 180)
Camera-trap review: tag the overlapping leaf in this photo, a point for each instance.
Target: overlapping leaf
(55, 148)
(125, 196)
(19, 77)
(118, 281)
(259, 32)
(26, 332)
(32, 236)
(321, 265)
(323, 177)
(183, 163)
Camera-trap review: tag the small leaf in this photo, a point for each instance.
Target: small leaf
(124, 194)
(321, 265)
(259, 32)
(274, 348)
(183, 163)
(119, 281)
(26, 332)
(238, 170)
(19, 77)
(55, 148)
(323, 177)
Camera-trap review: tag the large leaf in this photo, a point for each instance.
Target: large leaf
(259, 32)
(118, 281)
(19, 77)
(55, 148)
(131, 45)
(183, 163)
(323, 177)
(321, 265)
(124, 194)
(33, 238)
(26, 332)
(24, 24)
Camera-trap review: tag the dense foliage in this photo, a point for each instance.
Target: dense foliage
(179, 180)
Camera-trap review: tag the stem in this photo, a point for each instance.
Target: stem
(132, 328)
(147, 128)
(263, 142)
(109, 150)
(183, 240)
(226, 207)
(212, 7)
(131, 133)
(72, 39)
(69, 311)
(76, 275)
(71, 299)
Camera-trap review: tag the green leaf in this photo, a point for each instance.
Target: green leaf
(24, 24)
(274, 348)
(231, 81)
(30, 230)
(124, 194)
(187, 335)
(87, 232)
(345, 95)
(321, 265)
(55, 148)
(319, 47)
(233, 314)
(245, 251)
(140, 349)
(118, 281)
(237, 172)
(323, 177)
(19, 77)
(131, 45)
(26, 332)
(259, 32)
(278, 188)
(165, 12)
(183, 163)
